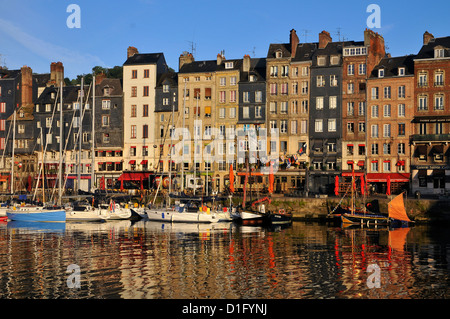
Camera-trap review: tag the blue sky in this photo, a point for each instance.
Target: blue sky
(34, 32)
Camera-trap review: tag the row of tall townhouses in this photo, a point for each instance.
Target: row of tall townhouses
(337, 107)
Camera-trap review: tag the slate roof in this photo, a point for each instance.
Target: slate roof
(285, 49)
(199, 66)
(305, 51)
(392, 64)
(427, 51)
(115, 84)
(144, 58)
(257, 68)
(170, 77)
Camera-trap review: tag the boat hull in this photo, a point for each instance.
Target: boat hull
(278, 219)
(41, 215)
(183, 217)
(364, 219)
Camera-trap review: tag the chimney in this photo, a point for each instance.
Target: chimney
(131, 51)
(99, 78)
(376, 48)
(294, 41)
(220, 58)
(27, 86)
(246, 63)
(427, 36)
(56, 73)
(185, 58)
(324, 39)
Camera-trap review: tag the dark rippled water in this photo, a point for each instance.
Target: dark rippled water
(155, 260)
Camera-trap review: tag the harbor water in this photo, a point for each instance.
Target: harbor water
(154, 260)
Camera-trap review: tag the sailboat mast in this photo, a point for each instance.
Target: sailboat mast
(13, 149)
(80, 131)
(60, 142)
(93, 136)
(184, 115)
(171, 150)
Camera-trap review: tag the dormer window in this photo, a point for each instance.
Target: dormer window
(438, 53)
(278, 54)
(381, 73)
(401, 71)
(321, 60)
(228, 65)
(52, 95)
(252, 78)
(334, 60)
(106, 91)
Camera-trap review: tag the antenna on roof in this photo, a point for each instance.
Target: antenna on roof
(253, 52)
(193, 46)
(305, 34)
(338, 33)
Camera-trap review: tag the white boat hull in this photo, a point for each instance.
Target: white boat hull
(184, 217)
(96, 215)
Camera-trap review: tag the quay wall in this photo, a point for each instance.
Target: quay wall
(419, 210)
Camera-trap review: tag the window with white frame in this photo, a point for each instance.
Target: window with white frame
(318, 125)
(332, 101)
(319, 102)
(439, 101)
(387, 110)
(232, 112)
(423, 102)
(387, 92)
(401, 110)
(374, 111)
(333, 80)
(351, 69)
(374, 130)
(386, 130)
(401, 92)
(320, 80)
(331, 125)
(362, 68)
(374, 94)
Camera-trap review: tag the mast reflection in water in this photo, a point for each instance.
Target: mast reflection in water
(185, 261)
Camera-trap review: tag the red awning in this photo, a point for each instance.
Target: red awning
(144, 162)
(382, 177)
(132, 162)
(361, 163)
(133, 176)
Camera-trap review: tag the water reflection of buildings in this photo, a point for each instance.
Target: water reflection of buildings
(157, 260)
(359, 248)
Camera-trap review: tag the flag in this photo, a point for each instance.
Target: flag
(302, 149)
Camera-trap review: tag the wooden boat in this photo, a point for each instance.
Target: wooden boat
(396, 217)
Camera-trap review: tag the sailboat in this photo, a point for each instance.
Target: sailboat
(33, 213)
(397, 216)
